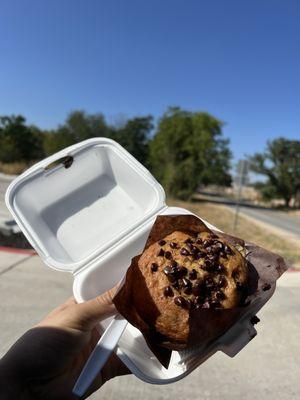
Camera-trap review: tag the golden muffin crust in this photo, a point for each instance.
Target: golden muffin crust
(184, 271)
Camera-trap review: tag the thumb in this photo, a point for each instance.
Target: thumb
(92, 311)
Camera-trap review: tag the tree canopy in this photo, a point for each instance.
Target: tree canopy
(188, 150)
(280, 163)
(77, 127)
(19, 142)
(133, 135)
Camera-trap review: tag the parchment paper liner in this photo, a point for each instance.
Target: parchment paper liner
(205, 325)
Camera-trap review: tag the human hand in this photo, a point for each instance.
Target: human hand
(47, 360)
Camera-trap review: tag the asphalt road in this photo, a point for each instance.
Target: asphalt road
(267, 369)
(277, 219)
(280, 220)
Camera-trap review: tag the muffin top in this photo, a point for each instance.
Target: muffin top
(185, 271)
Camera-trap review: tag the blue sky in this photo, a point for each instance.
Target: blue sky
(239, 60)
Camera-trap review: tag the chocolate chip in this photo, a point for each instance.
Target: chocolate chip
(175, 284)
(188, 303)
(208, 262)
(174, 263)
(254, 320)
(205, 305)
(174, 275)
(222, 254)
(154, 267)
(208, 249)
(208, 265)
(207, 243)
(218, 245)
(174, 271)
(196, 290)
(209, 283)
(182, 271)
(161, 253)
(199, 241)
(162, 242)
(171, 278)
(180, 301)
(219, 268)
(193, 274)
(188, 240)
(189, 244)
(197, 306)
(227, 249)
(170, 272)
(180, 284)
(198, 287)
(187, 290)
(215, 304)
(173, 245)
(184, 252)
(168, 255)
(220, 295)
(194, 250)
(199, 255)
(212, 257)
(186, 282)
(222, 281)
(266, 286)
(167, 270)
(168, 292)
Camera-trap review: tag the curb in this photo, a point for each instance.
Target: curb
(17, 251)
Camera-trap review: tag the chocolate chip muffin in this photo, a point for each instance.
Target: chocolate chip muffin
(186, 271)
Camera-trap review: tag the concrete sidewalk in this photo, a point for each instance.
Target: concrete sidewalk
(267, 369)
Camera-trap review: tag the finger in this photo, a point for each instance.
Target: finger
(92, 311)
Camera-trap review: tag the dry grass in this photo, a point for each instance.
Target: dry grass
(15, 168)
(296, 213)
(222, 218)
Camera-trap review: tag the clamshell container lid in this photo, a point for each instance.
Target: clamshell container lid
(73, 212)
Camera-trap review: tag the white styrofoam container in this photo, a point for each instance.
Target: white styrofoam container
(90, 219)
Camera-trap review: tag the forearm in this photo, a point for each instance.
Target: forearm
(13, 373)
(10, 386)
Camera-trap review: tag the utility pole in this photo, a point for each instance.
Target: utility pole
(242, 173)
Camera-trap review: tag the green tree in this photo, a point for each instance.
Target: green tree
(77, 127)
(188, 150)
(134, 137)
(19, 142)
(83, 126)
(280, 163)
(133, 134)
(56, 140)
